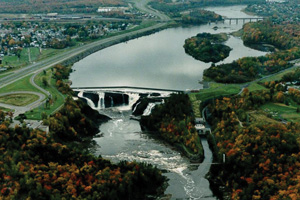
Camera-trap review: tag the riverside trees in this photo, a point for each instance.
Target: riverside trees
(33, 165)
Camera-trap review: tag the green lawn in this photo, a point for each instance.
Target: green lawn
(58, 98)
(19, 99)
(4, 109)
(20, 85)
(277, 76)
(255, 86)
(282, 111)
(210, 93)
(14, 61)
(5, 74)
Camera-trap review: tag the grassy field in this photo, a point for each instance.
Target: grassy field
(277, 76)
(58, 98)
(280, 111)
(4, 109)
(260, 117)
(20, 85)
(5, 74)
(19, 99)
(255, 86)
(14, 61)
(216, 92)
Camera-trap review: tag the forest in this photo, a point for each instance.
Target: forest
(173, 122)
(61, 6)
(262, 153)
(283, 37)
(207, 47)
(34, 166)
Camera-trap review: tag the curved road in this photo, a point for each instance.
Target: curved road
(23, 109)
(142, 5)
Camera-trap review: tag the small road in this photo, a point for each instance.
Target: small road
(295, 62)
(23, 109)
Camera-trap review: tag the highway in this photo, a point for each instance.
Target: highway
(47, 63)
(141, 5)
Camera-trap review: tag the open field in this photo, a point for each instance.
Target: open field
(19, 99)
(27, 55)
(216, 92)
(278, 76)
(255, 86)
(260, 117)
(280, 111)
(4, 109)
(5, 74)
(20, 85)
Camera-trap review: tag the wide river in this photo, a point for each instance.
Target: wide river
(156, 61)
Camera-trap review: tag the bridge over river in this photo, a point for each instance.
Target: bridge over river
(243, 19)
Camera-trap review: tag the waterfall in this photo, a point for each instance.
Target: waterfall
(136, 106)
(89, 101)
(101, 103)
(123, 99)
(111, 101)
(149, 108)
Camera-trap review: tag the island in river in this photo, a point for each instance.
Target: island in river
(207, 47)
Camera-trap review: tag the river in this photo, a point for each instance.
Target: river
(156, 61)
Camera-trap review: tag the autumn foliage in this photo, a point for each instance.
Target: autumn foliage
(262, 159)
(34, 166)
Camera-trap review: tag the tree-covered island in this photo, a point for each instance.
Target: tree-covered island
(207, 47)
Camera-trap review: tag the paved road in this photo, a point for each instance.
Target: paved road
(142, 5)
(23, 109)
(295, 62)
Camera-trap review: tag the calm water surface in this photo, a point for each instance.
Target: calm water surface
(158, 60)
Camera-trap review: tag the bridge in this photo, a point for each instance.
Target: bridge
(244, 19)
